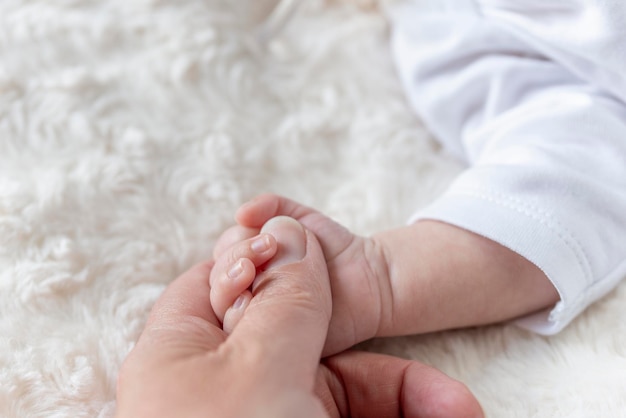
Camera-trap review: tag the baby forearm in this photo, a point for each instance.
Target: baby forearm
(441, 277)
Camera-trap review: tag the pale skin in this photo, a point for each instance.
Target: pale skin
(185, 365)
(425, 277)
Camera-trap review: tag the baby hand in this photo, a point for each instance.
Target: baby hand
(233, 274)
(239, 268)
(356, 267)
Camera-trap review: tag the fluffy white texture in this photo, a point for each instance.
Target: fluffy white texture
(131, 131)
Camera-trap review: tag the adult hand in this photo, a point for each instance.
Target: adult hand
(184, 365)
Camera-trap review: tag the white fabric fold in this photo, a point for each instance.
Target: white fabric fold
(530, 95)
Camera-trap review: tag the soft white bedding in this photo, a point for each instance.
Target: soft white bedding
(130, 131)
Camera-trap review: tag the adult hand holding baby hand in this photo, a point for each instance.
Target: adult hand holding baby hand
(185, 365)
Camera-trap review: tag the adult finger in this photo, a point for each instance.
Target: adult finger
(184, 309)
(368, 385)
(287, 320)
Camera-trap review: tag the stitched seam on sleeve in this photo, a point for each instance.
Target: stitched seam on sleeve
(541, 216)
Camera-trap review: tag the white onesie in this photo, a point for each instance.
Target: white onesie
(532, 94)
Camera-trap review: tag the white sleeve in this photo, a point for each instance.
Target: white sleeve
(546, 149)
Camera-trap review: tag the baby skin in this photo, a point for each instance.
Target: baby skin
(420, 278)
(233, 276)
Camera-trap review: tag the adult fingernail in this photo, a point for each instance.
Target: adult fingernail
(291, 239)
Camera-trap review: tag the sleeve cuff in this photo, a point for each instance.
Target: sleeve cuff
(529, 233)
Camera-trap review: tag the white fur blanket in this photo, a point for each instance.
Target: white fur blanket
(130, 131)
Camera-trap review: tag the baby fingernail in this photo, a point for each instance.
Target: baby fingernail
(235, 270)
(239, 302)
(260, 244)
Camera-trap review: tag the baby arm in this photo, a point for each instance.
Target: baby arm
(425, 277)
(442, 277)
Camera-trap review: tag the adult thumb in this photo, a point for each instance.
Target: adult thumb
(286, 322)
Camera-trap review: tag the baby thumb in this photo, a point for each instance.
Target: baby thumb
(287, 319)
